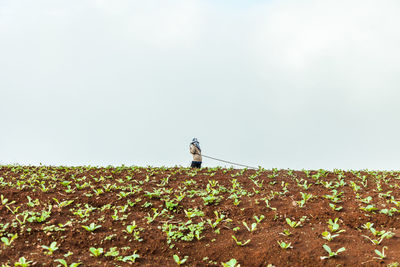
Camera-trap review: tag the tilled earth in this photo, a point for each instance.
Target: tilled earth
(144, 216)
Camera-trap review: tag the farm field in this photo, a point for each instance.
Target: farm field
(147, 216)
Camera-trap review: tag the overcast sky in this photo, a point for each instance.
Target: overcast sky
(285, 84)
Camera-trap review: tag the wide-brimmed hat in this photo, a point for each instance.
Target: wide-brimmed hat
(196, 143)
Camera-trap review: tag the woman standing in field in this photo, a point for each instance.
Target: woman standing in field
(196, 152)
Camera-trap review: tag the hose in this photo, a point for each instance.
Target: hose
(249, 167)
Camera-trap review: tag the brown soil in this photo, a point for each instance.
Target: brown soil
(130, 194)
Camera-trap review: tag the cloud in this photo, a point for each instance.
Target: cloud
(161, 24)
(347, 43)
(305, 84)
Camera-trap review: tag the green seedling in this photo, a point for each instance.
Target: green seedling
(305, 196)
(183, 231)
(354, 186)
(131, 228)
(305, 185)
(366, 200)
(376, 232)
(7, 242)
(150, 218)
(331, 253)
(284, 245)
(116, 217)
(4, 227)
(335, 197)
(171, 204)
(389, 212)
(340, 183)
(193, 213)
(149, 204)
(236, 202)
(258, 220)
(180, 197)
(301, 203)
(23, 219)
(219, 218)
(66, 183)
(211, 199)
(23, 262)
(327, 184)
(96, 251)
(378, 186)
(64, 263)
(40, 217)
(386, 235)
(334, 207)
(382, 254)
(286, 232)
(369, 208)
(112, 252)
(32, 203)
(123, 194)
(230, 263)
(334, 226)
(252, 228)
(367, 225)
(98, 191)
(13, 210)
(130, 258)
(44, 188)
(284, 188)
(328, 236)
(239, 243)
(4, 201)
(63, 203)
(268, 206)
(122, 209)
(133, 203)
(53, 247)
(92, 227)
(294, 224)
(178, 260)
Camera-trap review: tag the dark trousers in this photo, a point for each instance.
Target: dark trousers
(196, 164)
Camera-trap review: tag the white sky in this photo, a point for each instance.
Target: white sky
(286, 84)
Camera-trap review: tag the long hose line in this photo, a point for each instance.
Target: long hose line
(249, 167)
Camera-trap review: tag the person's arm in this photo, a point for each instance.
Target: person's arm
(192, 149)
